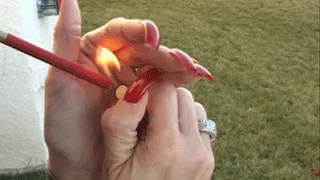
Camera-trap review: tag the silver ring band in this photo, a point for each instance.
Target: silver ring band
(209, 127)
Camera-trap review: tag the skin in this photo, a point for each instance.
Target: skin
(173, 148)
(73, 107)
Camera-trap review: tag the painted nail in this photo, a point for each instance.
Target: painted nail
(183, 59)
(152, 33)
(140, 86)
(203, 72)
(315, 172)
(195, 61)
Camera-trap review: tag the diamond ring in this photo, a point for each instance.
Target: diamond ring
(209, 127)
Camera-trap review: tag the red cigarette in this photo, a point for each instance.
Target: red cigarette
(52, 59)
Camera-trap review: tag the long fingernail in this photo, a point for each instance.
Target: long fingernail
(140, 86)
(203, 72)
(183, 59)
(195, 61)
(152, 33)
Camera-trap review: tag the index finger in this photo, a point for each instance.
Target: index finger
(120, 32)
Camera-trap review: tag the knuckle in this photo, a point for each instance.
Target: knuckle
(113, 25)
(114, 121)
(167, 87)
(108, 118)
(117, 19)
(87, 39)
(201, 112)
(172, 146)
(199, 106)
(115, 22)
(163, 87)
(172, 143)
(200, 160)
(72, 30)
(209, 162)
(184, 93)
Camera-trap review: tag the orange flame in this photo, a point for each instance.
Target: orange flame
(106, 60)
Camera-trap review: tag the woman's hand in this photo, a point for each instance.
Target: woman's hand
(172, 148)
(74, 107)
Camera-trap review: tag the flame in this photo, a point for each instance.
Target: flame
(106, 60)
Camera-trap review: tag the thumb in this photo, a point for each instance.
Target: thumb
(67, 33)
(119, 125)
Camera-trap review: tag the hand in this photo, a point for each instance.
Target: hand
(173, 148)
(73, 107)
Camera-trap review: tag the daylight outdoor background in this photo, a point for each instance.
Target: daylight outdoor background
(265, 58)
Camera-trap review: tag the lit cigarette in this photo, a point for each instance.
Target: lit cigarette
(52, 59)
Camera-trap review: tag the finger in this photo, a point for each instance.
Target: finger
(67, 32)
(140, 55)
(171, 60)
(187, 113)
(143, 69)
(188, 77)
(165, 59)
(66, 42)
(120, 32)
(125, 76)
(183, 77)
(178, 79)
(119, 124)
(202, 115)
(162, 109)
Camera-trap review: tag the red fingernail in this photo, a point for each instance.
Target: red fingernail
(315, 172)
(203, 72)
(195, 61)
(152, 33)
(183, 59)
(140, 86)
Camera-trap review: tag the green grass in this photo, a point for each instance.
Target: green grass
(37, 175)
(265, 57)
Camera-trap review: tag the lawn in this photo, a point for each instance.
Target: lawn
(265, 57)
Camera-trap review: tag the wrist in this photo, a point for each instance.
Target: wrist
(62, 169)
